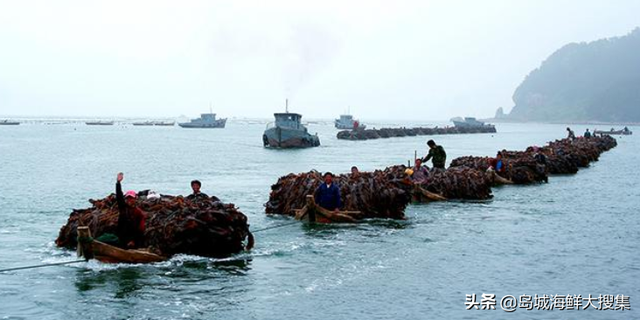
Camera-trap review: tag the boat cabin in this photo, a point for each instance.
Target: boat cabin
(346, 118)
(289, 120)
(208, 116)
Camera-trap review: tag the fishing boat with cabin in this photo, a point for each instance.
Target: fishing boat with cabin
(206, 120)
(288, 132)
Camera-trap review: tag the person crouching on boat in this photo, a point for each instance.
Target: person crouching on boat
(328, 194)
(420, 174)
(131, 220)
(498, 165)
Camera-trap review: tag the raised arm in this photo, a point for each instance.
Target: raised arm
(119, 194)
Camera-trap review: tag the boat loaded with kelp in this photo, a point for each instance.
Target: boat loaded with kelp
(174, 224)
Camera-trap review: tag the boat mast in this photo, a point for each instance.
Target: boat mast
(286, 105)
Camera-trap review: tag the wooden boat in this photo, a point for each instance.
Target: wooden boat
(99, 123)
(90, 248)
(312, 212)
(421, 194)
(143, 124)
(496, 178)
(623, 132)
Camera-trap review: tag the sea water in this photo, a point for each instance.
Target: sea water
(578, 234)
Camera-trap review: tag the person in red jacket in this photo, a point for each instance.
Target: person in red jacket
(131, 220)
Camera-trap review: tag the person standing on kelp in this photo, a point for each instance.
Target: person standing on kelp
(437, 153)
(131, 220)
(570, 134)
(328, 194)
(587, 134)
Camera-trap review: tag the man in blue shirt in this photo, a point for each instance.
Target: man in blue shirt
(328, 194)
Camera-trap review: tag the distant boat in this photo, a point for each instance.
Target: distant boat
(154, 123)
(346, 121)
(9, 123)
(468, 122)
(613, 132)
(99, 123)
(165, 124)
(145, 123)
(288, 132)
(206, 120)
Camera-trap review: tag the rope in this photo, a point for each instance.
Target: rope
(82, 240)
(42, 265)
(276, 226)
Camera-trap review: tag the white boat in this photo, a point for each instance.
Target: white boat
(347, 122)
(468, 122)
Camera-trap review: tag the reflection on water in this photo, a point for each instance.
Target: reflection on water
(121, 282)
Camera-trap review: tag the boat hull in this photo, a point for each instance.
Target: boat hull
(278, 137)
(90, 248)
(110, 254)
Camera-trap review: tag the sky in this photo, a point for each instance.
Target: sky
(426, 60)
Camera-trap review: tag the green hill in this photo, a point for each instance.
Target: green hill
(596, 81)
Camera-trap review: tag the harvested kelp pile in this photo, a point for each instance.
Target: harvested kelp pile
(204, 227)
(453, 183)
(535, 163)
(367, 134)
(371, 193)
(578, 153)
(520, 167)
(378, 194)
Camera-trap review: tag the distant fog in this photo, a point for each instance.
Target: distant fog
(385, 60)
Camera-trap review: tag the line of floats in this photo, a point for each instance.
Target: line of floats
(211, 228)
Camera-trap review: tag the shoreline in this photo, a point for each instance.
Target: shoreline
(497, 120)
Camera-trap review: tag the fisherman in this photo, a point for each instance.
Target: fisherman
(437, 153)
(541, 163)
(570, 134)
(197, 194)
(497, 164)
(419, 173)
(328, 194)
(131, 220)
(587, 134)
(355, 173)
